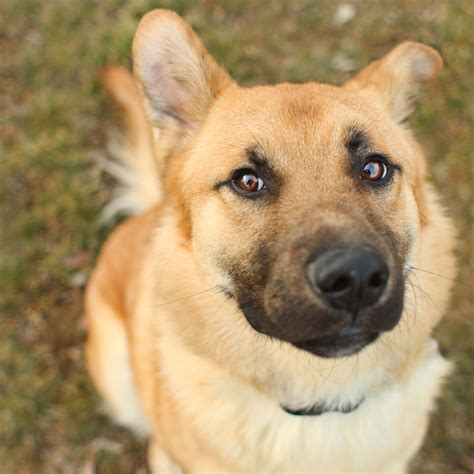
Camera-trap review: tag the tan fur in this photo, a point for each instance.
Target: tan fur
(206, 386)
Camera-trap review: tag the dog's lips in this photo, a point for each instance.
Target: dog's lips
(341, 342)
(347, 342)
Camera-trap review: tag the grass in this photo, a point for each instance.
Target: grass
(53, 121)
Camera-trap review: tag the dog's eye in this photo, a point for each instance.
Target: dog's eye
(375, 169)
(247, 181)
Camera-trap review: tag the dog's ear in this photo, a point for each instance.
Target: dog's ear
(396, 77)
(178, 77)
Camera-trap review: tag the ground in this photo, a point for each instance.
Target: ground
(53, 122)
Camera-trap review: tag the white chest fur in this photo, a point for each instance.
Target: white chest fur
(253, 433)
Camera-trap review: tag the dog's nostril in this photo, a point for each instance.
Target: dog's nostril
(378, 279)
(336, 285)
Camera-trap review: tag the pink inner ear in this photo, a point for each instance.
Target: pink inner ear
(165, 93)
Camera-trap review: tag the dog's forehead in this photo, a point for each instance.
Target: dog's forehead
(299, 119)
(283, 104)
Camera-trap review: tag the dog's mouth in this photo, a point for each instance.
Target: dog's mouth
(348, 342)
(323, 335)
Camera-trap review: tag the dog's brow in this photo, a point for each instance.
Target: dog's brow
(358, 145)
(357, 140)
(255, 156)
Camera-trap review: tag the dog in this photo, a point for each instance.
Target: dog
(270, 305)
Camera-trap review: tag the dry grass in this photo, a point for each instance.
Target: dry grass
(52, 120)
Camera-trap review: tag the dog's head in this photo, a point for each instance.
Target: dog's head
(301, 202)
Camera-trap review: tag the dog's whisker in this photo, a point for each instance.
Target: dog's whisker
(426, 294)
(187, 296)
(438, 275)
(415, 297)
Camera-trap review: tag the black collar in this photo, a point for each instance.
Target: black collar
(320, 409)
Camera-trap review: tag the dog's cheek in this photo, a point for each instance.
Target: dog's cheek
(412, 227)
(220, 249)
(208, 237)
(419, 193)
(405, 222)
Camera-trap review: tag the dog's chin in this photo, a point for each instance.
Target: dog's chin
(343, 344)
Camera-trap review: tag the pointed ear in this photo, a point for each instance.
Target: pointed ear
(395, 78)
(178, 77)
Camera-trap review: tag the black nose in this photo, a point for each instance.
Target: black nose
(349, 278)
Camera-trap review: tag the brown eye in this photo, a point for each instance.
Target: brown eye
(248, 181)
(374, 170)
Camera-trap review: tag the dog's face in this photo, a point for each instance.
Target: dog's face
(300, 201)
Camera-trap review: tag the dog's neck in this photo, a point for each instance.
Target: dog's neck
(315, 393)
